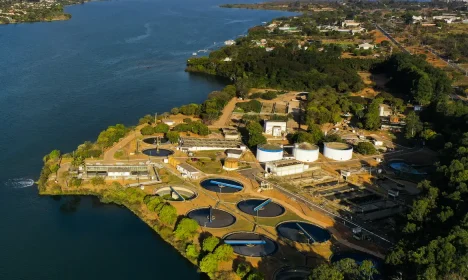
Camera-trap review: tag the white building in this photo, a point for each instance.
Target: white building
(366, 46)
(285, 167)
(227, 59)
(234, 153)
(229, 42)
(168, 122)
(385, 110)
(269, 152)
(337, 151)
(350, 23)
(188, 171)
(275, 128)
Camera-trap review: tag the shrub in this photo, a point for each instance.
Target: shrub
(209, 264)
(365, 148)
(96, 181)
(269, 95)
(148, 119)
(173, 136)
(75, 182)
(250, 106)
(243, 269)
(161, 128)
(147, 130)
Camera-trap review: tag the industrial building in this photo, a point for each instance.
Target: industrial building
(203, 144)
(117, 171)
(306, 152)
(285, 167)
(231, 133)
(338, 151)
(188, 171)
(275, 128)
(231, 164)
(269, 152)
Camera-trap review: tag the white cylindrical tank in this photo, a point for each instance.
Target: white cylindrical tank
(306, 152)
(338, 151)
(269, 152)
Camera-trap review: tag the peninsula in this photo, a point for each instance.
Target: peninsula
(334, 154)
(34, 11)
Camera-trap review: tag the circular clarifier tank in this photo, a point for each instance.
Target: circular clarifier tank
(261, 208)
(303, 232)
(155, 140)
(158, 152)
(212, 217)
(221, 185)
(176, 193)
(251, 244)
(292, 273)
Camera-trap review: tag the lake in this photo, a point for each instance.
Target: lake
(61, 83)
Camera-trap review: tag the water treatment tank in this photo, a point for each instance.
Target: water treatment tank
(338, 151)
(306, 152)
(269, 152)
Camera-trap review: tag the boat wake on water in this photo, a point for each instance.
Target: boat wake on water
(19, 183)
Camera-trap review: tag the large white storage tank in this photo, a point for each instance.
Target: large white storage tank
(338, 151)
(269, 152)
(306, 152)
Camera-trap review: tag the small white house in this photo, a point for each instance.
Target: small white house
(275, 128)
(385, 110)
(233, 153)
(168, 122)
(227, 59)
(229, 42)
(366, 46)
(188, 171)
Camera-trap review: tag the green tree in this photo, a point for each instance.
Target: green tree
(161, 128)
(422, 92)
(413, 125)
(372, 117)
(175, 111)
(154, 203)
(186, 229)
(168, 214)
(147, 130)
(326, 272)
(243, 269)
(192, 252)
(224, 252)
(209, 264)
(147, 119)
(367, 269)
(256, 139)
(173, 136)
(365, 148)
(210, 243)
(255, 275)
(53, 156)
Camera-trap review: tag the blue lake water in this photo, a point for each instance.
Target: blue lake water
(61, 83)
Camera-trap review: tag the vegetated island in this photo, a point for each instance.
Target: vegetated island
(348, 84)
(34, 11)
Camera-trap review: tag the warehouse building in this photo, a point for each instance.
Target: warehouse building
(285, 167)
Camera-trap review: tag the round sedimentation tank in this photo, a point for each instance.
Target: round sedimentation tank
(269, 152)
(292, 273)
(155, 140)
(251, 244)
(338, 151)
(303, 232)
(212, 217)
(264, 208)
(176, 193)
(221, 185)
(306, 152)
(154, 152)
